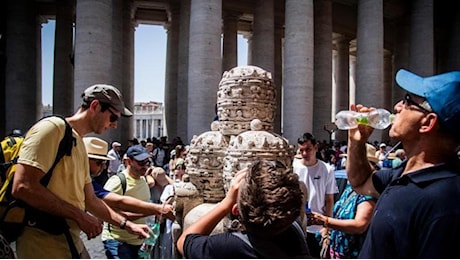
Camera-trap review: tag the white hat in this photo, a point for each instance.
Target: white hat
(96, 148)
(116, 144)
(370, 153)
(382, 145)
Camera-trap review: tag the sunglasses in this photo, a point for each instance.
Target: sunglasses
(424, 106)
(113, 117)
(99, 162)
(142, 163)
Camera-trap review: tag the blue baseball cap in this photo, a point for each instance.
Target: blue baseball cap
(441, 91)
(137, 152)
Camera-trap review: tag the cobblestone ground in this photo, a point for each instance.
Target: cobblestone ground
(94, 246)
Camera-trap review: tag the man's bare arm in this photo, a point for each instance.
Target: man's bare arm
(27, 187)
(131, 204)
(97, 207)
(359, 172)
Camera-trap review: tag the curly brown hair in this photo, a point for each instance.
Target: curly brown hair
(270, 198)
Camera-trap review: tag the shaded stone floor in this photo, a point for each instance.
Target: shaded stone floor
(94, 246)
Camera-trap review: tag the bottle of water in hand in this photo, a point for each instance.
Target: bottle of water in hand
(378, 119)
(149, 243)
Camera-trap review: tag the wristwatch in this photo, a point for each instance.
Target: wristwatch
(123, 223)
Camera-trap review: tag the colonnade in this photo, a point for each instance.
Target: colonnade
(311, 68)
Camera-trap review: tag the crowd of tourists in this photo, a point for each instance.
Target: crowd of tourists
(401, 201)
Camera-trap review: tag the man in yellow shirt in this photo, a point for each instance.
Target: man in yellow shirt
(117, 242)
(69, 192)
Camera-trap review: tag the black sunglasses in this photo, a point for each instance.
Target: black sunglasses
(113, 117)
(99, 162)
(424, 106)
(142, 163)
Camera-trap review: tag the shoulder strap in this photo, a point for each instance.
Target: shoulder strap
(122, 177)
(65, 148)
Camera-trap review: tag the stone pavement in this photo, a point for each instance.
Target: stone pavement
(94, 246)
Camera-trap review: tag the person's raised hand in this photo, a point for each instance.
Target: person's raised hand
(362, 132)
(232, 194)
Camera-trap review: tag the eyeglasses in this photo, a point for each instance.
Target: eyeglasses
(142, 163)
(424, 106)
(99, 162)
(113, 117)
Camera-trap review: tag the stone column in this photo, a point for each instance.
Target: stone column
(400, 55)
(205, 64)
(387, 79)
(248, 37)
(369, 63)
(369, 47)
(421, 57)
(278, 80)
(172, 61)
(182, 84)
(93, 45)
(63, 90)
(263, 40)
(342, 80)
(322, 102)
(352, 79)
(387, 87)
(298, 69)
(126, 126)
(22, 86)
(230, 41)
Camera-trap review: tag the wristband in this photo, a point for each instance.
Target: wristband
(123, 223)
(326, 222)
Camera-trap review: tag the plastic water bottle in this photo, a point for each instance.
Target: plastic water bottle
(147, 246)
(378, 119)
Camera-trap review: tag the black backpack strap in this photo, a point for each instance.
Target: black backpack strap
(65, 148)
(122, 178)
(72, 247)
(123, 181)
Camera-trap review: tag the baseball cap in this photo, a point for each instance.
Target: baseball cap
(107, 94)
(116, 144)
(441, 91)
(96, 148)
(179, 163)
(137, 152)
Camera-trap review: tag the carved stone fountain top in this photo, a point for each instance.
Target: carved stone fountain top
(255, 144)
(245, 93)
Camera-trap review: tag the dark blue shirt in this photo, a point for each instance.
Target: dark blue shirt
(417, 214)
(99, 190)
(289, 244)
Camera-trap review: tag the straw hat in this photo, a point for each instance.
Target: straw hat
(159, 175)
(96, 148)
(370, 153)
(391, 156)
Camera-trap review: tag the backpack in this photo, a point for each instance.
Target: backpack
(15, 214)
(122, 181)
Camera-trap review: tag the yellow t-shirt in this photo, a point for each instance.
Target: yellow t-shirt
(136, 188)
(67, 182)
